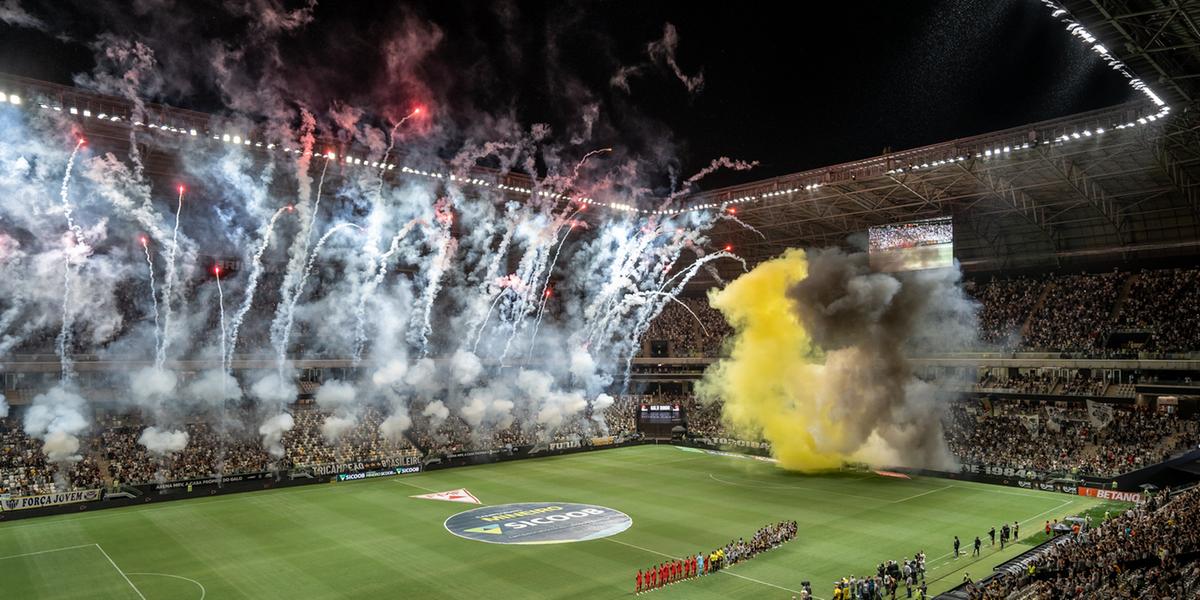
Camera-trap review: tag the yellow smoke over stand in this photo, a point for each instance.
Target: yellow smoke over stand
(772, 381)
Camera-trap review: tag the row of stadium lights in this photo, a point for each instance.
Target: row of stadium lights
(238, 140)
(1000, 151)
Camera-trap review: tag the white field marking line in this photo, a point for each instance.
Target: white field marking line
(123, 575)
(926, 493)
(203, 592)
(725, 571)
(1005, 492)
(792, 487)
(402, 482)
(47, 551)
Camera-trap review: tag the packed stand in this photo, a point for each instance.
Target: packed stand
(1075, 313)
(24, 470)
(1147, 553)
(1005, 305)
(695, 331)
(1043, 437)
(1166, 303)
(311, 442)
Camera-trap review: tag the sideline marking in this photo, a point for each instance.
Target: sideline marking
(203, 592)
(47, 551)
(400, 481)
(792, 487)
(123, 575)
(921, 494)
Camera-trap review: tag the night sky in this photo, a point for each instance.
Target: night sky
(794, 87)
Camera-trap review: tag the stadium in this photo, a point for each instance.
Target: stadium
(456, 301)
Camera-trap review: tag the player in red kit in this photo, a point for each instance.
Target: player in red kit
(638, 586)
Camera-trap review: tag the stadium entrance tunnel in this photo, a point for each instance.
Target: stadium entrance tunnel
(538, 523)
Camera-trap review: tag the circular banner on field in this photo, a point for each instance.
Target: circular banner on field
(538, 523)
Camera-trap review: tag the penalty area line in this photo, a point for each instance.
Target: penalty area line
(123, 575)
(725, 571)
(203, 592)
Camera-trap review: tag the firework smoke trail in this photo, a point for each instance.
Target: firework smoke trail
(391, 145)
(312, 261)
(360, 313)
(221, 306)
(251, 286)
(647, 316)
(479, 333)
(153, 293)
(168, 288)
(281, 328)
(579, 165)
(537, 324)
(728, 216)
(438, 266)
(527, 272)
(600, 312)
(64, 335)
(489, 278)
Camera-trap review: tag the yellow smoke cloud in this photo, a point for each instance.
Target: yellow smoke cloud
(772, 381)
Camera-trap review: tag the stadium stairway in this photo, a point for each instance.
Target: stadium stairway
(102, 464)
(1121, 296)
(1041, 301)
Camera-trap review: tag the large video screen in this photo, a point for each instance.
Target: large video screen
(927, 244)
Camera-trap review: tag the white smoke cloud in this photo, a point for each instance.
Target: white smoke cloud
(272, 431)
(271, 388)
(163, 442)
(395, 425)
(334, 427)
(390, 373)
(422, 378)
(437, 412)
(339, 397)
(57, 418)
(465, 367)
(3, 407)
(149, 383)
(214, 387)
(599, 405)
(335, 394)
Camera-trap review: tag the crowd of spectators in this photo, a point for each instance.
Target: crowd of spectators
(1023, 382)
(1165, 303)
(695, 331)
(359, 440)
(1074, 314)
(1143, 553)
(1040, 436)
(1005, 305)
(24, 470)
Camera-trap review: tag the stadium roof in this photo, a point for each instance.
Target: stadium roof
(1116, 183)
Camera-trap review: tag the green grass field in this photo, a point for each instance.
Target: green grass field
(369, 539)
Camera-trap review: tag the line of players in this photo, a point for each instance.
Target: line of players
(672, 571)
(1005, 532)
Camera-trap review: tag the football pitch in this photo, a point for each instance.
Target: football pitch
(370, 539)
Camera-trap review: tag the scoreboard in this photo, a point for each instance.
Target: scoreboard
(657, 420)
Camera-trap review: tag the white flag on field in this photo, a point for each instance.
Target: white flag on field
(459, 495)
